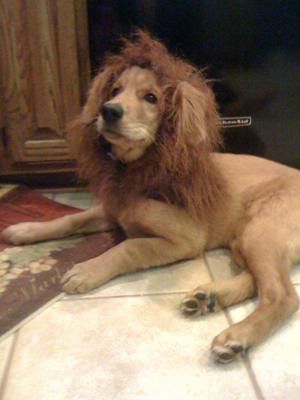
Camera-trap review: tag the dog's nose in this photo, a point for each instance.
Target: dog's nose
(112, 112)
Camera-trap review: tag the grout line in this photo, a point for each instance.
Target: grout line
(8, 365)
(245, 359)
(253, 379)
(118, 296)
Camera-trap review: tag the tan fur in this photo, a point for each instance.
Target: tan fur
(174, 197)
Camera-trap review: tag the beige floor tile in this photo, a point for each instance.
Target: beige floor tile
(295, 274)
(5, 349)
(137, 348)
(180, 277)
(76, 199)
(276, 361)
(221, 264)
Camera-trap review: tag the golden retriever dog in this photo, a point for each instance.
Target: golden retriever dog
(146, 142)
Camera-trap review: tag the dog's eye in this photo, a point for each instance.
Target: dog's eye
(151, 98)
(115, 91)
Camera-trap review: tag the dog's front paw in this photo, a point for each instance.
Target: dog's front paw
(23, 233)
(82, 278)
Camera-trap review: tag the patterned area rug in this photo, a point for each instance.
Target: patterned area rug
(30, 275)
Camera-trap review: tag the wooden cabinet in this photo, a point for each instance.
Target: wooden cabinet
(44, 73)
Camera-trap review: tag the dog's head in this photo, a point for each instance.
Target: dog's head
(130, 117)
(144, 96)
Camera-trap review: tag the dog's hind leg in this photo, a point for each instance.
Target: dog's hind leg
(92, 220)
(265, 249)
(216, 295)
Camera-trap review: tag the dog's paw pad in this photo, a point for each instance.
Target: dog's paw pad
(189, 306)
(199, 302)
(226, 353)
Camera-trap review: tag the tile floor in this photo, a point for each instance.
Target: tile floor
(128, 341)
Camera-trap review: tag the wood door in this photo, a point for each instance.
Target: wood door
(44, 73)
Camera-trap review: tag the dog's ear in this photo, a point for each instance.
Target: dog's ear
(195, 114)
(98, 94)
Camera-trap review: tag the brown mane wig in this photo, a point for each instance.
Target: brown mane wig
(177, 167)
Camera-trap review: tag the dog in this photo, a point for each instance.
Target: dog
(146, 141)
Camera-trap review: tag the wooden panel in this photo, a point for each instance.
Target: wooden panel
(40, 76)
(1, 110)
(82, 46)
